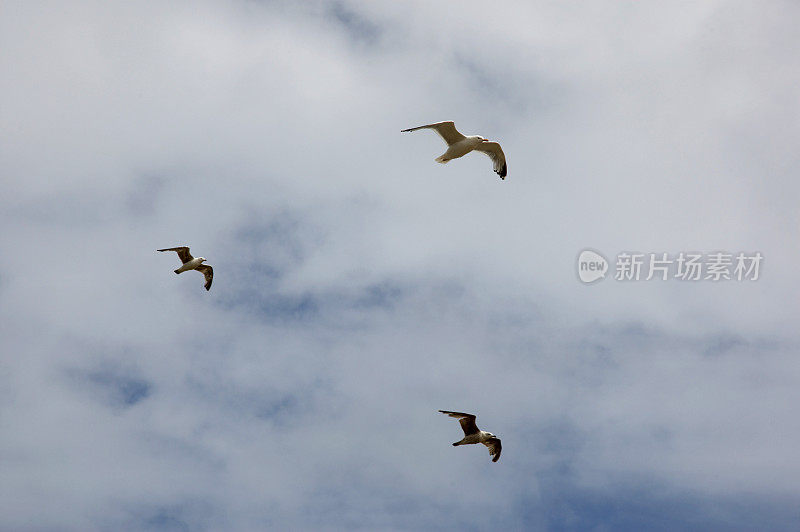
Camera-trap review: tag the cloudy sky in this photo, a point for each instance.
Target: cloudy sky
(359, 286)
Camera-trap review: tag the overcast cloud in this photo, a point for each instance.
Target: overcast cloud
(359, 286)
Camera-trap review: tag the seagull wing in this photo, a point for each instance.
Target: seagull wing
(208, 272)
(183, 253)
(494, 448)
(467, 421)
(446, 130)
(495, 153)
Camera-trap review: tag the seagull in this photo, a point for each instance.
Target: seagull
(473, 435)
(191, 263)
(458, 145)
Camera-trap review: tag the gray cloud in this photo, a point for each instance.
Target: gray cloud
(359, 286)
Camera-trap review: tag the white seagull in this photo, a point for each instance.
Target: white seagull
(473, 435)
(458, 145)
(191, 263)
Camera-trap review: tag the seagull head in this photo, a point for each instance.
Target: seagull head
(483, 139)
(201, 259)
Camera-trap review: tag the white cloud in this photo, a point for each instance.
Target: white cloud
(359, 286)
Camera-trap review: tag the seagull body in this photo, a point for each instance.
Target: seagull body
(472, 434)
(459, 145)
(192, 263)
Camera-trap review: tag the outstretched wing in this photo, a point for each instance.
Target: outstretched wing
(446, 130)
(208, 272)
(183, 253)
(467, 421)
(494, 448)
(495, 153)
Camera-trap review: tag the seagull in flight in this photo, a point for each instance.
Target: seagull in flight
(474, 435)
(191, 263)
(458, 145)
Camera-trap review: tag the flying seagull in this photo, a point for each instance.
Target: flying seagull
(191, 263)
(458, 145)
(473, 435)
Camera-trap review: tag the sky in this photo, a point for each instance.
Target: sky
(360, 287)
